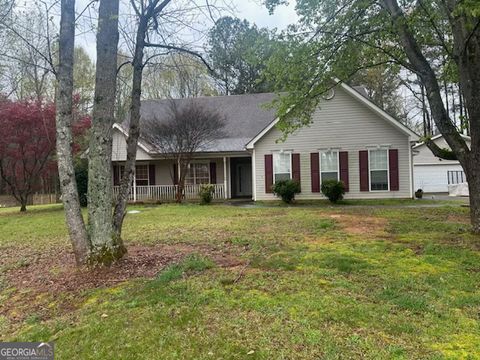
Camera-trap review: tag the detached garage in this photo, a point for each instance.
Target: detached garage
(432, 174)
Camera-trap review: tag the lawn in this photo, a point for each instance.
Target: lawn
(225, 282)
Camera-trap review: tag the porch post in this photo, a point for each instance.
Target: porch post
(134, 185)
(225, 194)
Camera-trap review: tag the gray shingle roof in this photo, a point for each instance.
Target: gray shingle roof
(245, 116)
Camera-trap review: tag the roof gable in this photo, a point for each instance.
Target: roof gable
(245, 116)
(355, 94)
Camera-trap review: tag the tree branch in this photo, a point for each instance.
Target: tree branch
(181, 49)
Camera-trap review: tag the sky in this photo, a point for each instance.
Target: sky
(257, 13)
(252, 10)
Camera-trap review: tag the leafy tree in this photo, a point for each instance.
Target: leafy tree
(238, 52)
(382, 84)
(336, 40)
(27, 145)
(177, 76)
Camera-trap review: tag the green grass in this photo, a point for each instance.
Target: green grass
(312, 288)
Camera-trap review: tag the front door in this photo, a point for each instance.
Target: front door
(244, 179)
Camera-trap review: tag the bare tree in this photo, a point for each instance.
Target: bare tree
(105, 247)
(152, 20)
(64, 119)
(95, 244)
(29, 57)
(189, 127)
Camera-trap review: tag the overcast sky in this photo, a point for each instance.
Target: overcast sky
(252, 10)
(257, 13)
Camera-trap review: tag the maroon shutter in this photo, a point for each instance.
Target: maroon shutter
(296, 167)
(315, 172)
(175, 174)
(393, 162)
(268, 173)
(343, 160)
(116, 177)
(363, 157)
(213, 172)
(151, 174)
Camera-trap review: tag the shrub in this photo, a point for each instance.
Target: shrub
(286, 189)
(333, 190)
(206, 193)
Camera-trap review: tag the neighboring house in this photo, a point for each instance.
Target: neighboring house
(350, 139)
(432, 174)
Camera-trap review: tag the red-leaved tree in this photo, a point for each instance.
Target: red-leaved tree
(27, 145)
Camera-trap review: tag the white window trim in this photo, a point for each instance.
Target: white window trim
(291, 162)
(195, 173)
(148, 174)
(320, 163)
(370, 170)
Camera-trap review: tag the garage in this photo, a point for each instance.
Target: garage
(432, 174)
(434, 178)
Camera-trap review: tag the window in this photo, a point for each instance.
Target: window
(378, 170)
(329, 166)
(141, 175)
(198, 173)
(282, 166)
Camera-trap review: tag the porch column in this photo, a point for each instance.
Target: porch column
(225, 189)
(134, 185)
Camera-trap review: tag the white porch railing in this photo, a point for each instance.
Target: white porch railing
(168, 192)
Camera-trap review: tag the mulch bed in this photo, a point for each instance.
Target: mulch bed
(51, 272)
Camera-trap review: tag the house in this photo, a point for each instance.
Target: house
(432, 174)
(350, 139)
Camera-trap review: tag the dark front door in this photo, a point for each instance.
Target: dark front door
(241, 169)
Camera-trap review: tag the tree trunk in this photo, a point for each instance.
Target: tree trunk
(68, 184)
(134, 129)
(105, 247)
(467, 58)
(23, 206)
(473, 179)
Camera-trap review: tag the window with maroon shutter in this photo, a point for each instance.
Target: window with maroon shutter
(141, 175)
(363, 160)
(151, 174)
(329, 169)
(213, 172)
(198, 173)
(296, 167)
(394, 174)
(343, 161)
(268, 173)
(378, 169)
(315, 172)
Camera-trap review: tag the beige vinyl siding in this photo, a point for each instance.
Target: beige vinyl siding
(343, 124)
(119, 148)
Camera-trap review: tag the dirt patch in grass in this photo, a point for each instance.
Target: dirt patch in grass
(36, 281)
(361, 225)
(55, 271)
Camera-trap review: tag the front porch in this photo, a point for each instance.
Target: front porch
(157, 180)
(168, 192)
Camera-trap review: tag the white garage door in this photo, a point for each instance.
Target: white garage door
(433, 178)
